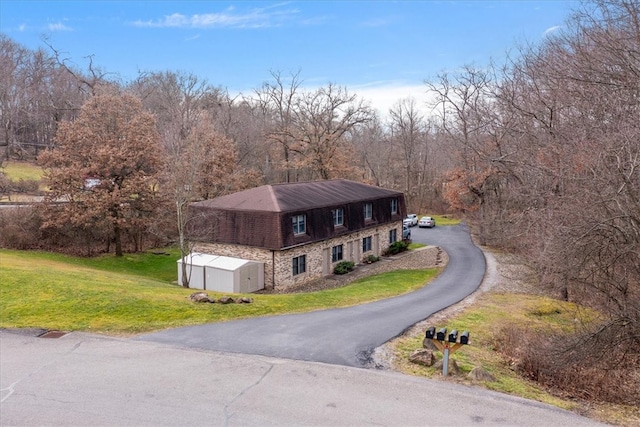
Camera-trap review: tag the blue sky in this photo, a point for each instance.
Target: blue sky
(381, 50)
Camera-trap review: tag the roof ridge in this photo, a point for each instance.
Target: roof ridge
(299, 196)
(274, 198)
(313, 181)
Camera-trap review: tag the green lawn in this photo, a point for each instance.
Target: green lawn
(22, 171)
(159, 265)
(137, 293)
(444, 219)
(16, 171)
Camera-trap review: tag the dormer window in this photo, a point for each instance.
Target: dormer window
(338, 217)
(299, 224)
(368, 211)
(394, 206)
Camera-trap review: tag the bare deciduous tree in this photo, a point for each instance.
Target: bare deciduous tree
(375, 154)
(323, 120)
(410, 136)
(12, 60)
(277, 102)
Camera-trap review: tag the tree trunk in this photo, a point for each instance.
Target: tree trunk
(183, 242)
(117, 235)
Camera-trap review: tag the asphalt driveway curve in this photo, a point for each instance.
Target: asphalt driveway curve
(344, 336)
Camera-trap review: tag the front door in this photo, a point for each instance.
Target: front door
(326, 261)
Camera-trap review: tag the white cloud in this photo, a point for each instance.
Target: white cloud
(58, 26)
(381, 96)
(384, 96)
(254, 18)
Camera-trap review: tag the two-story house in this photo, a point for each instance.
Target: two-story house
(301, 230)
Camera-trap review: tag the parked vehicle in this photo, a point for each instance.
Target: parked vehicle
(410, 220)
(426, 221)
(406, 232)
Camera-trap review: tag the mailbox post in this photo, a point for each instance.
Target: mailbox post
(447, 344)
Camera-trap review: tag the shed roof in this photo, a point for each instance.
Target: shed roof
(215, 261)
(298, 196)
(199, 259)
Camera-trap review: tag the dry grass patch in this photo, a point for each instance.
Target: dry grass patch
(484, 320)
(502, 325)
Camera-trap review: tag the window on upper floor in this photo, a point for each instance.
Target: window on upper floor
(336, 253)
(394, 206)
(299, 264)
(368, 211)
(338, 217)
(366, 244)
(299, 224)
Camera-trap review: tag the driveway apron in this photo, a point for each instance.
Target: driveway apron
(345, 336)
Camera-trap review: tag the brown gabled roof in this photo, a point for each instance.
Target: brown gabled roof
(298, 196)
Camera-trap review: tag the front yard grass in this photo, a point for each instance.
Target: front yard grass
(137, 293)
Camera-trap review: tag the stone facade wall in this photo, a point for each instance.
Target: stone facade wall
(425, 257)
(278, 269)
(245, 252)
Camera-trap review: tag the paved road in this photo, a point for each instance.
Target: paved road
(345, 336)
(89, 380)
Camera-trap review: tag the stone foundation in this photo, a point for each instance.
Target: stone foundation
(278, 264)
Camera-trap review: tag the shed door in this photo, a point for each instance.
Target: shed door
(250, 278)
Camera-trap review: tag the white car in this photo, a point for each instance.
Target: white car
(410, 220)
(426, 221)
(406, 233)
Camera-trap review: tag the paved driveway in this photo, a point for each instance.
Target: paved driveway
(345, 336)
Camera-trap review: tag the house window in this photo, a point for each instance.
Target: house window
(368, 211)
(366, 244)
(393, 235)
(338, 217)
(299, 264)
(336, 253)
(394, 206)
(299, 225)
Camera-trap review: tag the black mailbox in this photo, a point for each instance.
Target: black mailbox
(431, 333)
(453, 336)
(441, 334)
(464, 338)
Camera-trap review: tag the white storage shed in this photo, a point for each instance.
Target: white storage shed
(222, 273)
